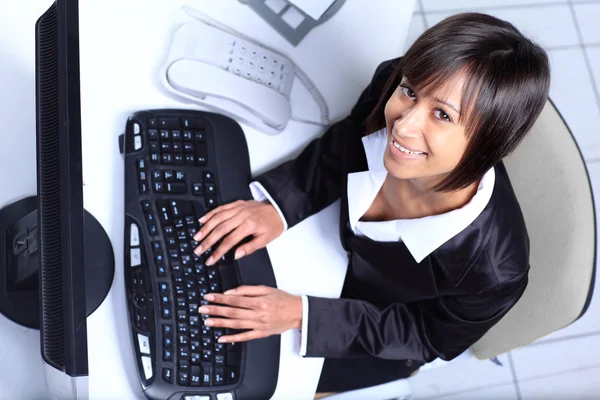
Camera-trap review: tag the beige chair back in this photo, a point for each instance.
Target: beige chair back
(551, 182)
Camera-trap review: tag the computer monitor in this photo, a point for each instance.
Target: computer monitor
(56, 260)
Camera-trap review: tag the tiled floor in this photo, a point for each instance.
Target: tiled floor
(565, 364)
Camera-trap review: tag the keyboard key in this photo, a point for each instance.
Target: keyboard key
(167, 375)
(176, 188)
(211, 202)
(182, 327)
(201, 160)
(181, 304)
(184, 353)
(219, 359)
(232, 375)
(166, 313)
(188, 135)
(176, 135)
(157, 176)
(152, 122)
(199, 135)
(198, 189)
(155, 158)
(168, 341)
(165, 134)
(171, 242)
(159, 187)
(194, 333)
(143, 188)
(167, 158)
(181, 315)
(219, 348)
(167, 355)
(177, 159)
(168, 174)
(169, 123)
(208, 176)
(219, 376)
(152, 228)
(167, 329)
(177, 148)
(153, 134)
(195, 346)
(184, 378)
(188, 147)
(164, 299)
(161, 271)
(196, 358)
(207, 376)
(164, 287)
(195, 375)
(210, 188)
(190, 159)
(207, 355)
(165, 146)
(184, 365)
(154, 147)
(192, 123)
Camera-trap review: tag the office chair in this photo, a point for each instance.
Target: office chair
(551, 182)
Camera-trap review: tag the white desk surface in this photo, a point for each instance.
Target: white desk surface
(123, 43)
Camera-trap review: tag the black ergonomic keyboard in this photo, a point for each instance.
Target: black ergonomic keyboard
(178, 165)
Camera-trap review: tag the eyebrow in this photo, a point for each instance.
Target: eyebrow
(405, 82)
(448, 104)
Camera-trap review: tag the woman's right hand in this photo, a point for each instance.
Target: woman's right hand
(237, 221)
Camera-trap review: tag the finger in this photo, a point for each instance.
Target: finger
(217, 210)
(214, 222)
(244, 336)
(232, 323)
(235, 237)
(235, 301)
(247, 290)
(227, 227)
(258, 242)
(228, 312)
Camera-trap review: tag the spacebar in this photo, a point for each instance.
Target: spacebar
(228, 276)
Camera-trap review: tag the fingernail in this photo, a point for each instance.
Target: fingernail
(198, 250)
(230, 291)
(222, 339)
(210, 260)
(209, 297)
(209, 322)
(203, 310)
(202, 220)
(197, 236)
(239, 254)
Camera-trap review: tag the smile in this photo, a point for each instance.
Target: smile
(407, 151)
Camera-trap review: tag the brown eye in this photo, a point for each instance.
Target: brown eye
(408, 92)
(440, 114)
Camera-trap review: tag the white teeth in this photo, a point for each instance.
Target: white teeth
(405, 150)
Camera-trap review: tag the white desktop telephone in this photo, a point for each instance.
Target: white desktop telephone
(231, 74)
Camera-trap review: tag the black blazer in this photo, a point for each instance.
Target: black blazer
(393, 307)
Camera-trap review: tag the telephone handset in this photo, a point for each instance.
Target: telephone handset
(234, 75)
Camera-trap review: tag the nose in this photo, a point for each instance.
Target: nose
(411, 122)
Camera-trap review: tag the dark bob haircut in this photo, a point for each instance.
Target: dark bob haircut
(508, 79)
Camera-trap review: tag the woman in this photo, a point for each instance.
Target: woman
(438, 249)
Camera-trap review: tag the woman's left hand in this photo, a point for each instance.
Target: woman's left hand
(263, 310)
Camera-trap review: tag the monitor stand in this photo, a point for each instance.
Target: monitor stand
(19, 263)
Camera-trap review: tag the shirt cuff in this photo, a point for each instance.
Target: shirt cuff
(260, 194)
(304, 332)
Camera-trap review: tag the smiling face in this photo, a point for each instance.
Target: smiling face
(426, 141)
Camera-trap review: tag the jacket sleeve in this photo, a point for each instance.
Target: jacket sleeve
(422, 331)
(312, 181)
